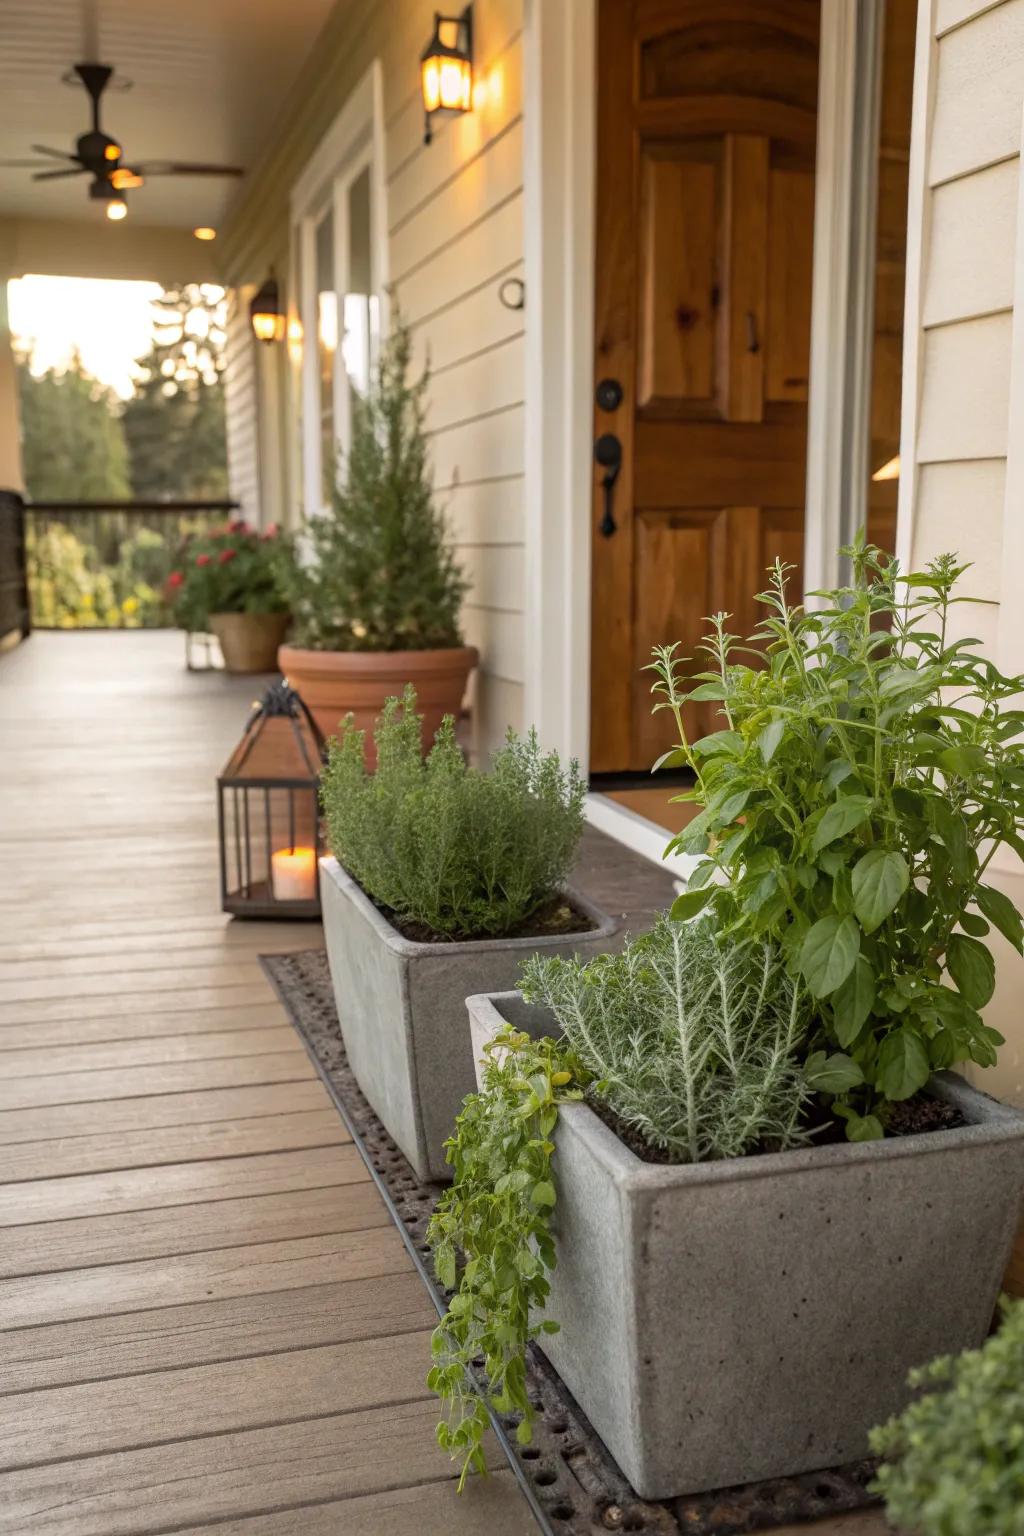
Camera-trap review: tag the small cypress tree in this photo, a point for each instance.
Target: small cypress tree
(382, 575)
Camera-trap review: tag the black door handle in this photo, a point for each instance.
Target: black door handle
(608, 453)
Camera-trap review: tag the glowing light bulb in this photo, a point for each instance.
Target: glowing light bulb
(117, 209)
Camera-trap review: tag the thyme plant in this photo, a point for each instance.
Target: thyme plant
(465, 854)
(864, 776)
(689, 1042)
(954, 1460)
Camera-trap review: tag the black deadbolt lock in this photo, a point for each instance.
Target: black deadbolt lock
(608, 395)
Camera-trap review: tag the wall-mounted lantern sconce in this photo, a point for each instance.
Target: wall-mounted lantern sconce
(446, 69)
(266, 312)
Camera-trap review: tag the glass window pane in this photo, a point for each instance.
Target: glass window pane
(361, 318)
(327, 346)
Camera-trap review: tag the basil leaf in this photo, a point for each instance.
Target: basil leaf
(828, 953)
(769, 739)
(903, 1065)
(879, 880)
(1002, 914)
(840, 818)
(972, 968)
(689, 903)
(831, 1074)
(851, 1003)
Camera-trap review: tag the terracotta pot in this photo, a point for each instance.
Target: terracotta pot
(336, 683)
(249, 641)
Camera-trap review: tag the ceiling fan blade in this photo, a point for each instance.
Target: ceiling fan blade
(55, 154)
(186, 168)
(72, 170)
(22, 165)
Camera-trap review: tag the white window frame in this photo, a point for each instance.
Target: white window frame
(353, 144)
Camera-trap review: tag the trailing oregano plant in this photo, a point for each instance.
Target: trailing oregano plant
(689, 1044)
(491, 1237)
(954, 1460)
(868, 768)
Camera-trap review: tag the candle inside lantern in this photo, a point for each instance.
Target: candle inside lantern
(293, 874)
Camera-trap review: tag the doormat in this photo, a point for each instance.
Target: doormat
(572, 1485)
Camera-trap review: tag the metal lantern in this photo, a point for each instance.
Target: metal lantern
(446, 69)
(269, 813)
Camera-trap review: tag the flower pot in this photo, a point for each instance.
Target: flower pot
(335, 683)
(752, 1318)
(402, 1009)
(249, 641)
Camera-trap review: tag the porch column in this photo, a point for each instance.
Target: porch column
(10, 433)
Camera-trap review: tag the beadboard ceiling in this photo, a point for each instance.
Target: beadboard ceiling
(209, 78)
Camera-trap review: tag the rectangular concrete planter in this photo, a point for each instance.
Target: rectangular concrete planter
(731, 1321)
(402, 1009)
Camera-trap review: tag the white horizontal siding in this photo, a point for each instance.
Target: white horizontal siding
(240, 406)
(977, 111)
(965, 390)
(973, 244)
(455, 232)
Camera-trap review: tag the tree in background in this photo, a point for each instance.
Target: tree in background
(73, 439)
(174, 422)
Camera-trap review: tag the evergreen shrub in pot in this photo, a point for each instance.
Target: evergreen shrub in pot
(377, 600)
(732, 1162)
(443, 879)
(233, 581)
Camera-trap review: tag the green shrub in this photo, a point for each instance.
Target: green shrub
(466, 854)
(381, 575)
(689, 1042)
(851, 804)
(955, 1458)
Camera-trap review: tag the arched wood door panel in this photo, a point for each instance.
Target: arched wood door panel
(706, 132)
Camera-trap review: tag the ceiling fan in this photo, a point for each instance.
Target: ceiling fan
(97, 155)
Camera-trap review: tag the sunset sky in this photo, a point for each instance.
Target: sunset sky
(109, 322)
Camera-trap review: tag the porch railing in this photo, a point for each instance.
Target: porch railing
(105, 564)
(14, 604)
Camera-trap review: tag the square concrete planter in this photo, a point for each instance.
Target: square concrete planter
(402, 1009)
(731, 1321)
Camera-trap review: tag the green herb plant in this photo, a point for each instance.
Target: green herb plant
(496, 1217)
(466, 854)
(689, 1043)
(867, 770)
(379, 573)
(954, 1460)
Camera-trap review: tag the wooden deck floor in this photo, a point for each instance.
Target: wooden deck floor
(209, 1322)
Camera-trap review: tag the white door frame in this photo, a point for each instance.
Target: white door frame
(354, 141)
(559, 109)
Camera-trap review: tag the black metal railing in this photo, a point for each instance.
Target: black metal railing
(14, 602)
(105, 564)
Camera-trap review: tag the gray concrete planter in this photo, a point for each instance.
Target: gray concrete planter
(739, 1320)
(402, 1009)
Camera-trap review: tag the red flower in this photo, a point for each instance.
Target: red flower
(239, 526)
(175, 580)
(271, 531)
(226, 555)
(202, 559)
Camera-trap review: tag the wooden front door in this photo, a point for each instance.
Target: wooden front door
(705, 200)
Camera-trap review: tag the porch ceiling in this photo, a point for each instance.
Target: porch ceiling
(209, 79)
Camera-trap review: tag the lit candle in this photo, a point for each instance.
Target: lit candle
(293, 874)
